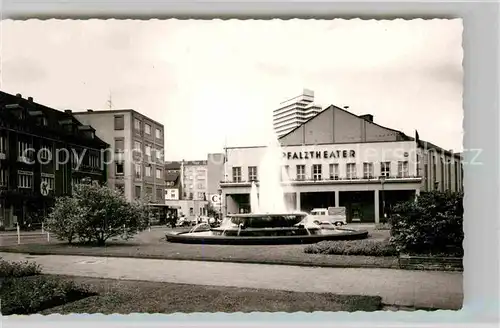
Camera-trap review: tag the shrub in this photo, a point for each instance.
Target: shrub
(433, 224)
(32, 294)
(96, 213)
(18, 269)
(365, 247)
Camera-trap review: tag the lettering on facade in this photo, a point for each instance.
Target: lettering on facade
(316, 154)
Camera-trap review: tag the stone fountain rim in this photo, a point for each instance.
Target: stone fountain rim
(253, 215)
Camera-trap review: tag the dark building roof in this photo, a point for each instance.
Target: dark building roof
(173, 166)
(56, 120)
(172, 176)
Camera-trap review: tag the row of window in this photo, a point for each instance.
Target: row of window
(148, 193)
(317, 171)
(25, 179)
(120, 125)
(138, 171)
(199, 195)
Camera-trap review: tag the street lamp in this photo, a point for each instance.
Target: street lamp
(382, 181)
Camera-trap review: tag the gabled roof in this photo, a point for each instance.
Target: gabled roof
(172, 176)
(333, 107)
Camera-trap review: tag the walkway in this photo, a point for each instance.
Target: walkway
(426, 289)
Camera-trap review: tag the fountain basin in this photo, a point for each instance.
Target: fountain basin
(264, 229)
(207, 237)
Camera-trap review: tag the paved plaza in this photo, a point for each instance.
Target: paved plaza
(425, 289)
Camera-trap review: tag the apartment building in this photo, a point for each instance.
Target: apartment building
(44, 152)
(293, 112)
(137, 148)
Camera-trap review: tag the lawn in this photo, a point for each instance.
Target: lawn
(118, 296)
(153, 245)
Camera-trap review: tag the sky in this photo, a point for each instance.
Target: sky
(214, 83)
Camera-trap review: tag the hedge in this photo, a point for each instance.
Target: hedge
(18, 269)
(365, 247)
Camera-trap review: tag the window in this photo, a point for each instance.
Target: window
(4, 178)
(158, 173)
(201, 196)
(351, 170)
(334, 171)
(148, 171)
(149, 191)
(119, 169)
(94, 160)
(148, 150)
(316, 172)
(442, 173)
(137, 125)
(138, 171)
(119, 145)
(158, 154)
(367, 170)
(252, 173)
(385, 169)
(449, 174)
(456, 176)
(191, 211)
(3, 145)
(159, 195)
(137, 191)
(119, 122)
(403, 169)
(236, 174)
(158, 134)
(138, 146)
(25, 179)
(285, 172)
(23, 151)
(301, 172)
(45, 153)
(147, 128)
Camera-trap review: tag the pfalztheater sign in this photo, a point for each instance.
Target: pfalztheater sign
(319, 154)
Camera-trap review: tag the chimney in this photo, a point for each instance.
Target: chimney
(90, 110)
(346, 107)
(68, 111)
(367, 117)
(18, 95)
(30, 99)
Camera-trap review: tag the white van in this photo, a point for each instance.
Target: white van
(330, 215)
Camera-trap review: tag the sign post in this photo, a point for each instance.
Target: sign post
(44, 188)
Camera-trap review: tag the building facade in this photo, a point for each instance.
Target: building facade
(340, 159)
(173, 189)
(294, 112)
(43, 154)
(136, 150)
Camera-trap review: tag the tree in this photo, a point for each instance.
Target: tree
(96, 213)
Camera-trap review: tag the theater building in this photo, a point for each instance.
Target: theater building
(338, 158)
(44, 152)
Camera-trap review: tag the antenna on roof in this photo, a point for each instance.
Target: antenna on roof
(110, 101)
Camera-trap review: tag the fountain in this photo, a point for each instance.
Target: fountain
(270, 221)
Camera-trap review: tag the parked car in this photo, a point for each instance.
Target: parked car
(184, 222)
(331, 215)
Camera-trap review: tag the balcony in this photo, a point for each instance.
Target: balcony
(332, 180)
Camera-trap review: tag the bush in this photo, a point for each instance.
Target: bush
(431, 225)
(18, 269)
(365, 247)
(96, 213)
(32, 294)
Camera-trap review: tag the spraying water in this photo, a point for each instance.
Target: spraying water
(254, 199)
(271, 198)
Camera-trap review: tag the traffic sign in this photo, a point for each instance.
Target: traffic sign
(44, 188)
(215, 199)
